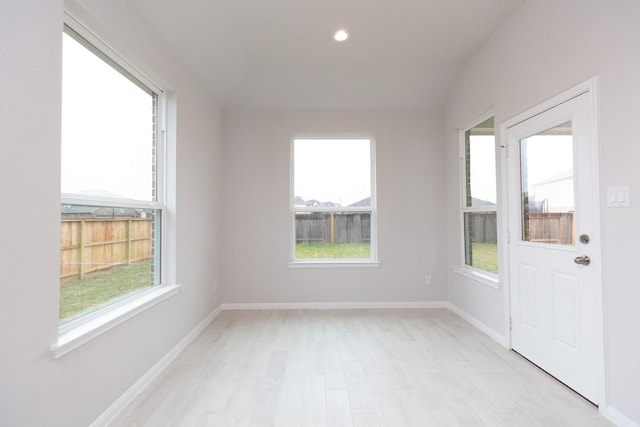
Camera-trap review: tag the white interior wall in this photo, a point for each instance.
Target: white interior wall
(545, 48)
(257, 222)
(36, 389)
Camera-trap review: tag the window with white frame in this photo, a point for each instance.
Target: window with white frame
(479, 196)
(333, 200)
(111, 178)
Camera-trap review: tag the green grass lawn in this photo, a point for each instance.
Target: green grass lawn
(485, 256)
(97, 289)
(332, 251)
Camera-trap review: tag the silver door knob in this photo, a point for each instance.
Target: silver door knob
(582, 260)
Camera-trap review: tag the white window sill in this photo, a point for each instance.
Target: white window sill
(334, 264)
(481, 276)
(78, 332)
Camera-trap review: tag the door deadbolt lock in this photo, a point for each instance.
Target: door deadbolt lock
(582, 260)
(584, 239)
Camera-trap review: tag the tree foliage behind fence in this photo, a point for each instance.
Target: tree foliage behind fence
(348, 227)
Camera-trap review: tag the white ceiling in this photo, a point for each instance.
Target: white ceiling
(279, 54)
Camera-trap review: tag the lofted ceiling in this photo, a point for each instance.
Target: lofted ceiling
(280, 54)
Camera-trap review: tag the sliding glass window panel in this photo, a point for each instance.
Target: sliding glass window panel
(481, 240)
(108, 127)
(106, 253)
(331, 235)
(332, 172)
(480, 165)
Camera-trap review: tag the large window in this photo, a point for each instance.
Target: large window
(479, 197)
(333, 200)
(111, 179)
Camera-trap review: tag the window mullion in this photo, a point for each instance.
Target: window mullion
(330, 210)
(489, 208)
(71, 199)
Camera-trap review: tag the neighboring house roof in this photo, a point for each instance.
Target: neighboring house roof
(313, 203)
(78, 211)
(364, 203)
(475, 202)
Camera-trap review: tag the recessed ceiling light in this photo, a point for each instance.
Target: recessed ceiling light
(340, 35)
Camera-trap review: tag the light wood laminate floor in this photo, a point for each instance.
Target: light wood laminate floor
(363, 368)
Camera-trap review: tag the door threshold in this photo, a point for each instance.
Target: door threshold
(595, 405)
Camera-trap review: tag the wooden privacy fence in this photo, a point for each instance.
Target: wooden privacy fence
(550, 227)
(483, 227)
(344, 227)
(89, 245)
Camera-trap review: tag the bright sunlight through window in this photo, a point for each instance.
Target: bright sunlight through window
(110, 211)
(333, 199)
(479, 207)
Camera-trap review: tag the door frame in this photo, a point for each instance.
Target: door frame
(590, 89)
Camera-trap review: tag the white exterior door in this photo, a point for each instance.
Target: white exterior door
(554, 242)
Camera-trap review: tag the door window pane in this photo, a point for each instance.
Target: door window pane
(548, 206)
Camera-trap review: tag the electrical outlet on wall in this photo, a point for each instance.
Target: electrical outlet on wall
(427, 280)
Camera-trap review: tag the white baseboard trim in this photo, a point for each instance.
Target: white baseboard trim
(617, 418)
(334, 305)
(119, 405)
(502, 340)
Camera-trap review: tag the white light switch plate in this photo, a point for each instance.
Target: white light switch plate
(618, 197)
